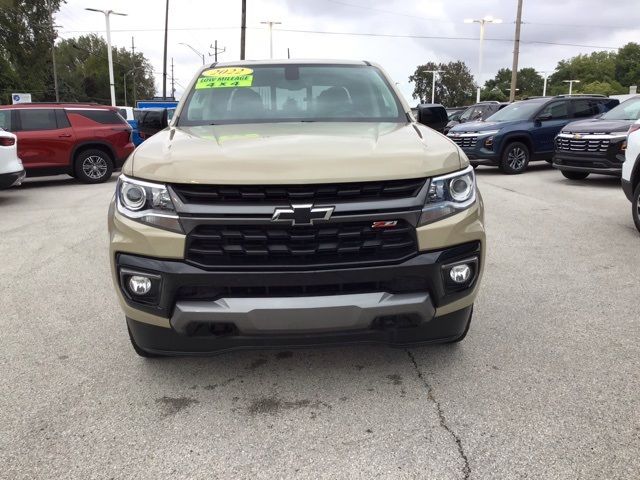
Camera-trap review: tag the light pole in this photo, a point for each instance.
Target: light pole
(571, 82)
(544, 85)
(271, 24)
(106, 17)
(482, 22)
(201, 55)
(433, 84)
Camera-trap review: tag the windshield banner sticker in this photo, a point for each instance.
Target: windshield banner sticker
(225, 77)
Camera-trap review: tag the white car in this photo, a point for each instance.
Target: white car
(11, 169)
(631, 172)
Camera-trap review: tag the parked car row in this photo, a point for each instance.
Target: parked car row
(524, 131)
(579, 135)
(86, 141)
(11, 169)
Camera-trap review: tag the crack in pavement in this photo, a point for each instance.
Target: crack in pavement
(466, 469)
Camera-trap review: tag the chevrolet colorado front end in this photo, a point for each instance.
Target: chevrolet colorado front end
(291, 204)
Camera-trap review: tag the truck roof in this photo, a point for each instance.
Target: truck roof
(292, 61)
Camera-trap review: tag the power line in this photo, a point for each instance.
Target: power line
(440, 37)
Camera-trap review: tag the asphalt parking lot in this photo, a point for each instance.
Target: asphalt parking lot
(545, 385)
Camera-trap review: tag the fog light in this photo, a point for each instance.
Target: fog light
(139, 285)
(460, 273)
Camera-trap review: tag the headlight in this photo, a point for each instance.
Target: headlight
(147, 202)
(449, 194)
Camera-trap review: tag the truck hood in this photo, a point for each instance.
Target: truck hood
(292, 153)
(598, 125)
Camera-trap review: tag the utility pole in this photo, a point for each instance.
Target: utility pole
(271, 24)
(173, 84)
(216, 50)
(516, 52)
(243, 28)
(164, 61)
(53, 54)
(288, 53)
(133, 64)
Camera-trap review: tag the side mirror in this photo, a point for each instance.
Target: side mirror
(433, 115)
(542, 118)
(151, 121)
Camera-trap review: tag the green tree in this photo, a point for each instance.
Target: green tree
(83, 72)
(602, 88)
(454, 84)
(628, 65)
(529, 84)
(25, 48)
(594, 67)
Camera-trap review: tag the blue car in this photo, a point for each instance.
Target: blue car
(524, 131)
(128, 113)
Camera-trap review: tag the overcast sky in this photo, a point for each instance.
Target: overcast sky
(585, 24)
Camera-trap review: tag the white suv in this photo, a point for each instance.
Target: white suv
(631, 172)
(11, 170)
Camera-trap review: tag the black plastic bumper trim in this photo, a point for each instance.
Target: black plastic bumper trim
(176, 274)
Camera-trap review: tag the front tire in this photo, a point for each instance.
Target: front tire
(515, 158)
(574, 175)
(93, 166)
(635, 207)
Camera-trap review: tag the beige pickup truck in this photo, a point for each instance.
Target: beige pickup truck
(295, 203)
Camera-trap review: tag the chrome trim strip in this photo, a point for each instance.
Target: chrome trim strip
(588, 136)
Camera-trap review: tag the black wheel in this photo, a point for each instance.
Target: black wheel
(515, 158)
(139, 350)
(635, 208)
(466, 330)
(93, 166)
(574, 175)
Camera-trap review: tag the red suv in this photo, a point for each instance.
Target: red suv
(85, 141)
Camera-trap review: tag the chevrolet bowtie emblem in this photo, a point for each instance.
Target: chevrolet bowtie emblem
(577, 136)
(302, 214)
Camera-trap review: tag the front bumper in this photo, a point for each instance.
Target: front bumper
(605, 164)
(166, 341)
(394, 304)
(8, 180)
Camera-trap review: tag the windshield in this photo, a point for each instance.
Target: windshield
(629, 110)
(291, 93)
(515, 111)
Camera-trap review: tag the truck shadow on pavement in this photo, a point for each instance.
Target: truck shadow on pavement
(315, 380)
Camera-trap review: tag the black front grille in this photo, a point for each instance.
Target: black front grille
(333, 192)
(465, 142)
(582, 145)
(283, 246)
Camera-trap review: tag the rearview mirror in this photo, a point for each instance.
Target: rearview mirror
(151, 121)
(433, 115)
